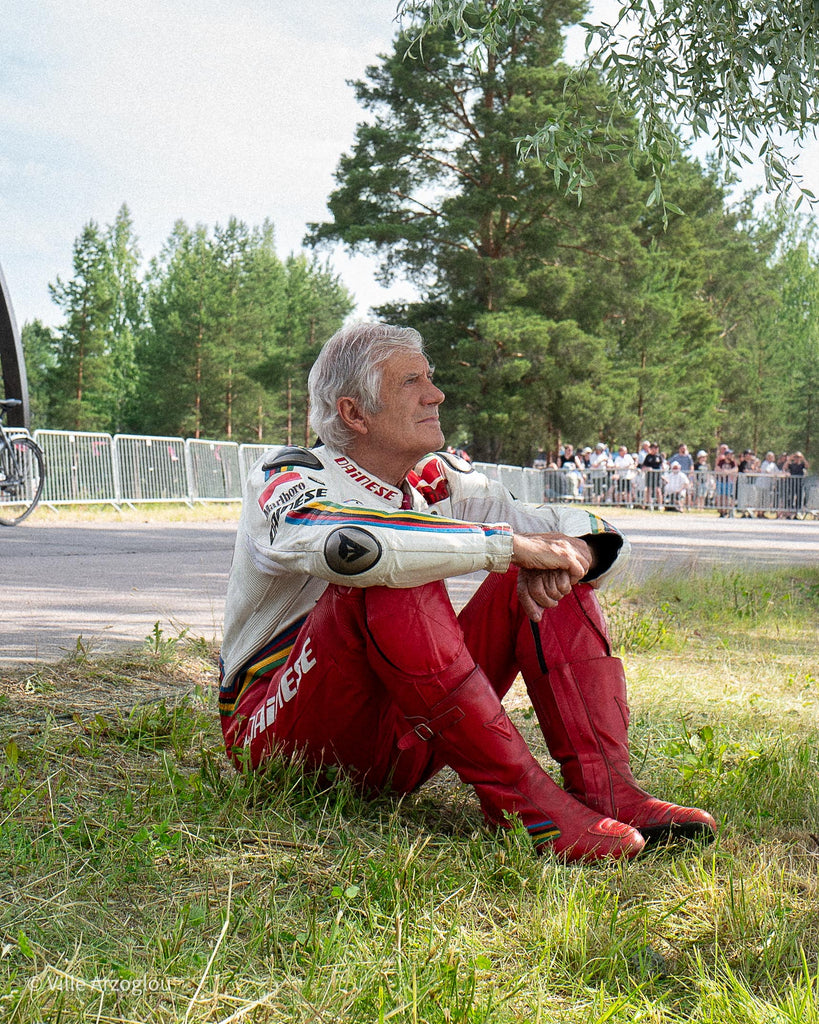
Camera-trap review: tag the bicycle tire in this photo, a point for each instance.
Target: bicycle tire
(25, 495)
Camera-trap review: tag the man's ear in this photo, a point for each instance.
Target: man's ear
(351, 415)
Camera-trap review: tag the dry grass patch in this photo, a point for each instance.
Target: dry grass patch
(141, 879)
(148, 512)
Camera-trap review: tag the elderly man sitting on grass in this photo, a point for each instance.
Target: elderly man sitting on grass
(341, 644)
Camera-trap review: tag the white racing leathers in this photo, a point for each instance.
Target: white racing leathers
(312, 517)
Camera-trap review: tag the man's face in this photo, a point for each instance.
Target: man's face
(407, 426)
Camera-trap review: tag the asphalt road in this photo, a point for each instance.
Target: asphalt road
(109, 583)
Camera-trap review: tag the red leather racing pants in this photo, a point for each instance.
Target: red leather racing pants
(336, 700)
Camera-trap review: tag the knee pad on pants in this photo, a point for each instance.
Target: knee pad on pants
(416, 632)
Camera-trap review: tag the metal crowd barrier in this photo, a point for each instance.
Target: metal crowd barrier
(79, 466)
(781, 495)
(150, 469)
(215, 474)
(85, 467)
(127, 469)
(730, 494)
(248, 454)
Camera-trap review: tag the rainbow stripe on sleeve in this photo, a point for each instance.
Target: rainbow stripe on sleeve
(272, 656)
(326, 513)
(599, 525)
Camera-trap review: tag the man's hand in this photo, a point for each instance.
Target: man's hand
(552, 551)
(550, 565)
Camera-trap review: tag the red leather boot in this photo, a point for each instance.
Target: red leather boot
(472, 733)
(582, 710)
(578, 692)
(417, 650)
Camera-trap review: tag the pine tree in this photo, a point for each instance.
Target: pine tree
(791, 367)
(233, 331)
(178, 353)
(548, 320)
(40, 349)
(315, 304)
(83, 383)
(127, 317)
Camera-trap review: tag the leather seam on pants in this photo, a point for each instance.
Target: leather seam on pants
(601, 633)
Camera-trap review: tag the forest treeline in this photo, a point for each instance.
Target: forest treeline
(214, 339)
(548, 319)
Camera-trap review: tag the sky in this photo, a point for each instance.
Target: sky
(194, 109)
(191, 109)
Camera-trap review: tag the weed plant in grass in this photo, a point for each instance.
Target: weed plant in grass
(142, 879)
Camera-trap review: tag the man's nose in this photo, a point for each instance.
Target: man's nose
(434, 395)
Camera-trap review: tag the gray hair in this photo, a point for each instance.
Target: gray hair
(350, 365)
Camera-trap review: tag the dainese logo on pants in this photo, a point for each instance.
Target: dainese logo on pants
(288, 687)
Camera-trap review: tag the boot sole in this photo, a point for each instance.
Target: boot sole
(695, 831)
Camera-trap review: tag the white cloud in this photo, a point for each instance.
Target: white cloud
(193, 109)
(201, 111)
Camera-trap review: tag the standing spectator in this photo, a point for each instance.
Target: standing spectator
(641, 454)
(727, 469)
(676, 488)
(768, 471)
(638, 484)
(768, 466)
(653, 464)
(598, 471)
(572, 466)
(702, 478)
(796, 466)
(747, 496)
(749, 463)
(568, 458)
(623, 465)
(782, 484)
(683, 457)
(585, 466)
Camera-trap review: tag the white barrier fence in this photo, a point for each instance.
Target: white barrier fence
(128, 469)
(86, 468)
(744, 494)
(79, 466)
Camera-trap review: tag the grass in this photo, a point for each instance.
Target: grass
(141, 879)
(144, 512)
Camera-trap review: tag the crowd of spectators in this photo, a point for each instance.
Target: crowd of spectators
(652, 479)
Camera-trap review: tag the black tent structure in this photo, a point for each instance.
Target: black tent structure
(13, 364)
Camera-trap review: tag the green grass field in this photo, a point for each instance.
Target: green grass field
(142, 880)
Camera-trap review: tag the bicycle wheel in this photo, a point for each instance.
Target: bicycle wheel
(22, 475)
